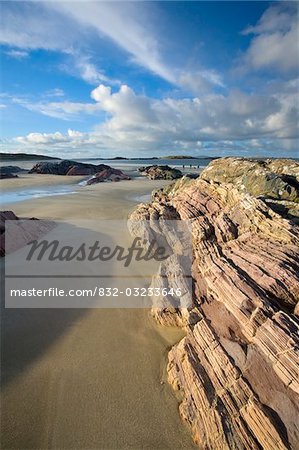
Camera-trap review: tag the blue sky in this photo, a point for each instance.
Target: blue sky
(149, 78)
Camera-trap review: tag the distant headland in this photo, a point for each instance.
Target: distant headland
(23, 157)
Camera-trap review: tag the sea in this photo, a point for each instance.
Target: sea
(129, 166)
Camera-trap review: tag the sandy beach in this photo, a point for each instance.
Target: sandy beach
(86, 378)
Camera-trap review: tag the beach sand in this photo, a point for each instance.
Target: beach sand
(87, 378)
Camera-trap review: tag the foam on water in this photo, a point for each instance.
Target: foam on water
(30, 193)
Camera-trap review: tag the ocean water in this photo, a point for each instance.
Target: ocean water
(135, 163)
(129, 166)
(122, 163)
(20, 195)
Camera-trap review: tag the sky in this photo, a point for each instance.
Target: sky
(104, 79)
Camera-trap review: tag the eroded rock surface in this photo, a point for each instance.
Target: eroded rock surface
(272, 178)
(10, 171)
(160, 172)
(100, 172)
(63, 167)
(238, 365)
(108, 174)
(20, 231)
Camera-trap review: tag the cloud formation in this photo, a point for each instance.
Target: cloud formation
(202, 110)
(145, 124)
(275, 41)
(17, 54)
(38, 26)
(65, 110)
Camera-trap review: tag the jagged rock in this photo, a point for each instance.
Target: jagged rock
(219, 404)
(238, 366)
(52, 168)
(108, 174)
(76, 170)
(22, 231)
(6, 215)
(160, 172)
(66, 167)
(100, 172)
(277, 179)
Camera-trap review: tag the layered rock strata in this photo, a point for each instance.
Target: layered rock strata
(238, 366)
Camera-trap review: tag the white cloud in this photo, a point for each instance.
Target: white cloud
(43, 138)
(30, 26)
(275, 18)
(124, 106)
(56, 92)
(124, 23)
(89, 72)
(141, 123)
(74, 133)
(17, 54)
(128, 25)
(275, 44)
(38, 26)
(199, 81)
(49, 138)
(60, 110)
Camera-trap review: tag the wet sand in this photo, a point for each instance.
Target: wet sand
(87, 378)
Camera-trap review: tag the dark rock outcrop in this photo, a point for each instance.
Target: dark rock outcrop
(238, 365)
(66, 167)
(100, 172)
(160, 172)
(10, 171)
(6, 175)
(108, 174)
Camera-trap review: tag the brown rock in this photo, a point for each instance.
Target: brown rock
(108, 174)
(276, 179)
(160, 172)
(20, 232)
(238, 366)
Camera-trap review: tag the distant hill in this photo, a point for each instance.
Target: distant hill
(118, 157)
(23, 157)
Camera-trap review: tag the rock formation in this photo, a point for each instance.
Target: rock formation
(238, 366)
(160, 172)
(6, 175)
(66, 167)
(108, 174)
(22, 231)
(100, 172)
(10, 171)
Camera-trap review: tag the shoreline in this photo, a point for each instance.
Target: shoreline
(88, 378)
